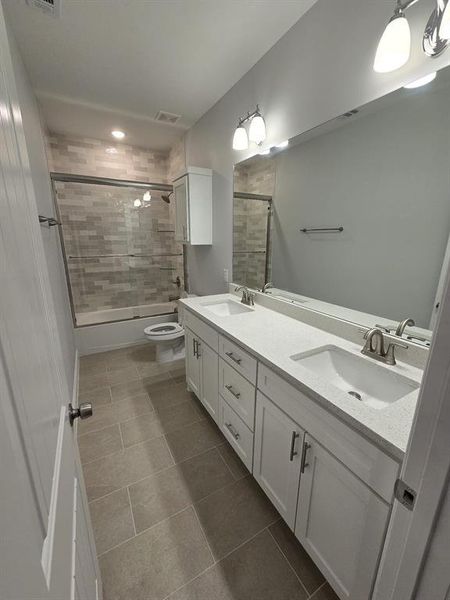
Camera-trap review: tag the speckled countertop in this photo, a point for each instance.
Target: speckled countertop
(273, 338)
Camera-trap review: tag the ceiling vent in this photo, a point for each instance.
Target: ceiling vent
(167, 117)
(49, 7)
(350, 113)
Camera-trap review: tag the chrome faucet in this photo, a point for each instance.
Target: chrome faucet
(402, 326)
(375, 347)
(248, 297)
(265, 287)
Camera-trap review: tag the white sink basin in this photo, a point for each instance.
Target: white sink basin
(226, 308)
(368, 383)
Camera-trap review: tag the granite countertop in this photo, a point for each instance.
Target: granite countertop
(273, 338)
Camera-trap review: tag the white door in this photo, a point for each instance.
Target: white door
(41, 528)
(341, 523)
(180, 190)
(278, 457)
(209, 392)
(192, 363)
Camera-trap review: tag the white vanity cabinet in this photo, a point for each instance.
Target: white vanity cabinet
(341, 522)
(193, 207)
(279, 443)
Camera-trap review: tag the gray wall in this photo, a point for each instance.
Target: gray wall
(41, 182)
(385, 177)
(321, 68)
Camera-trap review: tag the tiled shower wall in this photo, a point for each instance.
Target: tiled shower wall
(101, 225)
(250, 222)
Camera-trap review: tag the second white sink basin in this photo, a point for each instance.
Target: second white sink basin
(368, 383)
(226, 308)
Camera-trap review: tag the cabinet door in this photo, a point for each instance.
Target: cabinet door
(341, 523)
(277, 457)
(209, 392)
(180, 190)
(192, 363)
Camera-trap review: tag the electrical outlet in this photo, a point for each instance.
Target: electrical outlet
(225, 275)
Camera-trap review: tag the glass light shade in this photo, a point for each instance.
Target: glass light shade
(119, 135)
(421, 81)
(147, 197)
(257, 131)
(137, 203)
(444, 28)
(394, 47)
(240, 139)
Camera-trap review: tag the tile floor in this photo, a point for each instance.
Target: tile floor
(175, 513)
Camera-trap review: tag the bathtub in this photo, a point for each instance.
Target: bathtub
(119, 327)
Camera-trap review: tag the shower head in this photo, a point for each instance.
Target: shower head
(166, 197)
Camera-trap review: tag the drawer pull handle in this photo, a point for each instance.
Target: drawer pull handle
(233, 358)
(306, 447)
(194, 345)
(293, 452)
(237, 395)
(232, 430)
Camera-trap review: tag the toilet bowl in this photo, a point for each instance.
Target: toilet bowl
(168, 339)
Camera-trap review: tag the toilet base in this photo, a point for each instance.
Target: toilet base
(166, 353)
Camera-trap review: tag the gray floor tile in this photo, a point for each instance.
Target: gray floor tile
(112, 520)
(97, 444)
(166, 493)
(306, 570)
(181, 415)
(153, 368)
(232, 515)
(120, 391)
(255, 571)
(131, 407)
(122, 375)
(92, 381)
(140, 429)
(126, 467)
(102, 416)
(167, 396)
(97, 397)
(325, 593)
(194, 439)
(233, 461)
(156, 562)
(156, 383)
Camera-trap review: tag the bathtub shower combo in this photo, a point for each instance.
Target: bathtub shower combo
(121, 257)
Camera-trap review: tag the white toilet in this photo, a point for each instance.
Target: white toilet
(169, 340)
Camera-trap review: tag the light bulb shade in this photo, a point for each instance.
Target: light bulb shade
(394, 46)
(444, 28)
(240, 139)
(421, 81)
(147, 197)
(257, 131)
(137, 203)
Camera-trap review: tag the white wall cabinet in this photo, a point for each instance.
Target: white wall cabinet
(277, 457)
(341, 522)
(193, 207)
(202, 373)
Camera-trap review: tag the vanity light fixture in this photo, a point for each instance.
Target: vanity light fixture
(137, 203)
(111, 150)
(118, 134)
(264, 152)
(421, 81)
(284, 144)
(256, 133)
(394, 47)
(147, 197)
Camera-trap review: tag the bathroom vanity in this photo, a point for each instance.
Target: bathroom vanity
(322, 428)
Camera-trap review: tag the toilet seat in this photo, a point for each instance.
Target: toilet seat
(164, 331)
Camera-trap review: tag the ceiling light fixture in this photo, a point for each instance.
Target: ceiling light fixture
(394, 47)
(256, 133)
(421, 81)
(118, 134)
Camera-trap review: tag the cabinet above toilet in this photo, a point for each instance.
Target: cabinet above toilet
(193, 207)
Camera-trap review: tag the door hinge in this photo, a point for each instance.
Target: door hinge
(404, 494)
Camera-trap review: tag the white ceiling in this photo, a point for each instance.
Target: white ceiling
(116, 63)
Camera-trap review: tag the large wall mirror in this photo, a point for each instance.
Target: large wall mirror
(353, 218)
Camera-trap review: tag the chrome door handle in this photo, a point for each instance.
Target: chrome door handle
(84, 411)
(232, 430)
(237, 395)
(304, 464)
(233, 358)
(293, 452)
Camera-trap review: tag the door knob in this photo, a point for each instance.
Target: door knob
(84, 411)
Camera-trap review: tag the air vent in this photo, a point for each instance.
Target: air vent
(167, 117)
(49, 7)
(350, 113)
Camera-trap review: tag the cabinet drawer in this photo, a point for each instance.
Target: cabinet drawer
(241, 360)
(237, 433)
(378, 470)
(238, 392)
(201, 329)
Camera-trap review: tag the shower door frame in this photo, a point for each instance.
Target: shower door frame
(73, 178)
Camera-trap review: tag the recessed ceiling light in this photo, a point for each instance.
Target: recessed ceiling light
(284, 144)
(421, 81)
(119, 135)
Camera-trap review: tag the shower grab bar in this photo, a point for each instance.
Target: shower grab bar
(50, 221)
(322, 229)
(86, 256)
